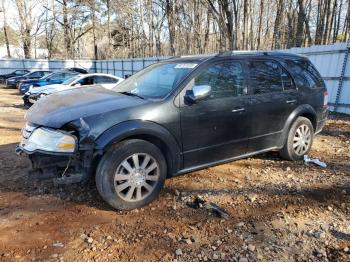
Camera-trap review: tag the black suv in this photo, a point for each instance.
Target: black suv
(180, 115)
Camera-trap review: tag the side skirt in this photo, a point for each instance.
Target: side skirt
(191, 169)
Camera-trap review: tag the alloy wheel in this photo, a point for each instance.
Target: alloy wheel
(136, 177)
(302, 140)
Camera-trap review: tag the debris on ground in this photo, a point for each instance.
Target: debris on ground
(316, 161)
(199, 202)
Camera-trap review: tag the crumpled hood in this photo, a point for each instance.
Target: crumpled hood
(63, 107)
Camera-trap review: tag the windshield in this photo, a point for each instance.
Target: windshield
(70, 80)
(155, 81)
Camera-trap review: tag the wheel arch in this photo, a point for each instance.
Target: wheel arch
(306, 111)
(144, 130)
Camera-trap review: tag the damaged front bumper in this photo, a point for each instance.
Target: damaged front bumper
(54, 154)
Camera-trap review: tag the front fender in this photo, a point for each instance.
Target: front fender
(137, 128)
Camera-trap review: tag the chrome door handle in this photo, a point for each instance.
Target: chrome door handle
(293, 101)
(237, 110)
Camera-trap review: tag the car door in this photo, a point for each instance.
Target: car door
(214, 129)
(273, 99)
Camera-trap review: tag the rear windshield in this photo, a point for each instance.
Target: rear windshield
(305, 74)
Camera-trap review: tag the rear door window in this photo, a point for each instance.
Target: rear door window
(265, 77)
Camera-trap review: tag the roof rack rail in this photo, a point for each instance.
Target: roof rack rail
(199, 55)
(239, 52)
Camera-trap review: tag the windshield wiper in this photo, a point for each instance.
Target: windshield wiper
(132, 94)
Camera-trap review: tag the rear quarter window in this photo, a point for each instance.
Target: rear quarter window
(265, 76)
(305, 74)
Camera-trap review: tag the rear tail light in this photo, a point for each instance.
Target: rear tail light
(325, 99)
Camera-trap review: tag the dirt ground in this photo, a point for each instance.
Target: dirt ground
(279, 210)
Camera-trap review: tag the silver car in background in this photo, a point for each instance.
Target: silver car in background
(105, 80)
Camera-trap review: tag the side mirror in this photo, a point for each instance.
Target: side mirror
(198, 93)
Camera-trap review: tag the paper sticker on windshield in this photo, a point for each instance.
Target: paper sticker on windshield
(186, 65)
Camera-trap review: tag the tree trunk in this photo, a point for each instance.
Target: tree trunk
(245, 19)
(94, 30)
(7, 42)
(260, 24)
(300, 24)
(337, 24)
(66, 30)
(331, 22)
(27, 44)
(169, 10)
(326, 23)
(229, 23)
(277, 27)
(109, 27)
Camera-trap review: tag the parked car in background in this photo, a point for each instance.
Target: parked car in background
(105, 80)
(51, 79)
(4, 77)
(77, 69)
(12, 82)
(180, 115)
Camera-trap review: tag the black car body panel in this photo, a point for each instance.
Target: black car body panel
(190, 135)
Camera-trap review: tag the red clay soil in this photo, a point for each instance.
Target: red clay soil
(279, 210)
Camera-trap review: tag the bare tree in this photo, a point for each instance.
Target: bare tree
(138, 28)
(29, 25)
(7, 42)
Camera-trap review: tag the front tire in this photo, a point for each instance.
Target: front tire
(299, 140)
(131, 174)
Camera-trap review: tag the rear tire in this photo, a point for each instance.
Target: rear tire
(299, 140)
(131, 174)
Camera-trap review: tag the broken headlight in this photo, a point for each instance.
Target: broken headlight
(48, 140)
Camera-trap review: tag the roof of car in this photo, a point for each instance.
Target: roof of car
(241, 54)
